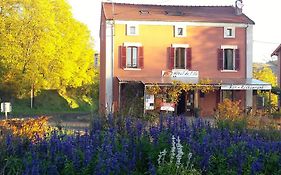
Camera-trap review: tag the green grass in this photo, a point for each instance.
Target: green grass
(49, 102)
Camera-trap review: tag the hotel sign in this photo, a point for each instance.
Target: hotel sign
(180, 73)
(246, 87)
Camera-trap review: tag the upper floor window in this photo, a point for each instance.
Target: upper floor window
(179, 31)
(132, 29)
(131, 56)
(180, 56)
(228, 58)
(229, 32)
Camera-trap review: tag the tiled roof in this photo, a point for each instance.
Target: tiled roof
(144, 12)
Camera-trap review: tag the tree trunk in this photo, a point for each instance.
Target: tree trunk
(32, 96)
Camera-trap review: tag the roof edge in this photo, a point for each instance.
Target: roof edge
(274, 53)
(120, 3)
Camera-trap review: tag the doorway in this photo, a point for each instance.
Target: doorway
(185, 104)
(190, 103)
(181, 106)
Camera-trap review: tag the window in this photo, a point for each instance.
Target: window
(132, 29)
(227, 95)
(131, 56)
(180, 56)
(229, 32)
(228, 58)
(180, 31)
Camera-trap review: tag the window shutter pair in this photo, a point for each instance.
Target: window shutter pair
(220, 59)
(188, 58)
(123, 52)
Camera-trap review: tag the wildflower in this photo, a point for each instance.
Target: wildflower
(188, 164)
(173, 149)
(179, 152)
(161, 157)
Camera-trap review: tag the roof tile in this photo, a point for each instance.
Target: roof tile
(215, 14)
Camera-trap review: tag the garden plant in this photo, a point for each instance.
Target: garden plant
(125, 145)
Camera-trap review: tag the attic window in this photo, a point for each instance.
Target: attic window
(180, 31)
(132, 29)
(229, 32)
(174, 13)
(144, 12)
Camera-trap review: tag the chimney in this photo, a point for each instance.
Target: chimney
(238, 7)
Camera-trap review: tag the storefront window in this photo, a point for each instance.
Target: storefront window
(227, 95)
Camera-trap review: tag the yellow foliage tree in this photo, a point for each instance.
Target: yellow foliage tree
(42, 46)
(265, 74)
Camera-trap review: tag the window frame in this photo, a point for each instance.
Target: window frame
(175, 59)
(180, 46)
(226, 32)
(176, 27)
(233, 48)
(132, 57)
(138, 56)
(128, 31)
(224, 95)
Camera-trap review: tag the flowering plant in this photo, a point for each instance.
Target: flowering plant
(174, 166)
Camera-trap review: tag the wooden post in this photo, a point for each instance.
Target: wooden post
(269, 101)
(119, 96)
(144, 97)
(196, 98)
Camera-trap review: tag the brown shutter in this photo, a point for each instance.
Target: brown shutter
(172, 58)
(188, 58)
(122, 51)
(140, 57)
(220, 59)
(237, 59)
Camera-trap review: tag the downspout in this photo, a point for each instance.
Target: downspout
(246, 48)
(112, 107)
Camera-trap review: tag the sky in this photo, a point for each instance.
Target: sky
(265, 14)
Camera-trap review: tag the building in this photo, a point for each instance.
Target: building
(277, 90)
(277, 52)
(144, 45)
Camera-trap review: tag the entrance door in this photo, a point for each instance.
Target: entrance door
(181, 106)
(189, 103)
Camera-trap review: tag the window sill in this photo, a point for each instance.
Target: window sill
(179, 69)
(137, 69)
(229, 36)
(180, 36)
(132, 34)
(229, 71)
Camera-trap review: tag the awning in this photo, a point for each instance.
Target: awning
(224, 84)
(158, 80)
(245, 84)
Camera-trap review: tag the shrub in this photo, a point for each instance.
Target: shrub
(31, 128)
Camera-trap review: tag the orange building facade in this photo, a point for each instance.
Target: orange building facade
(140, 43)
